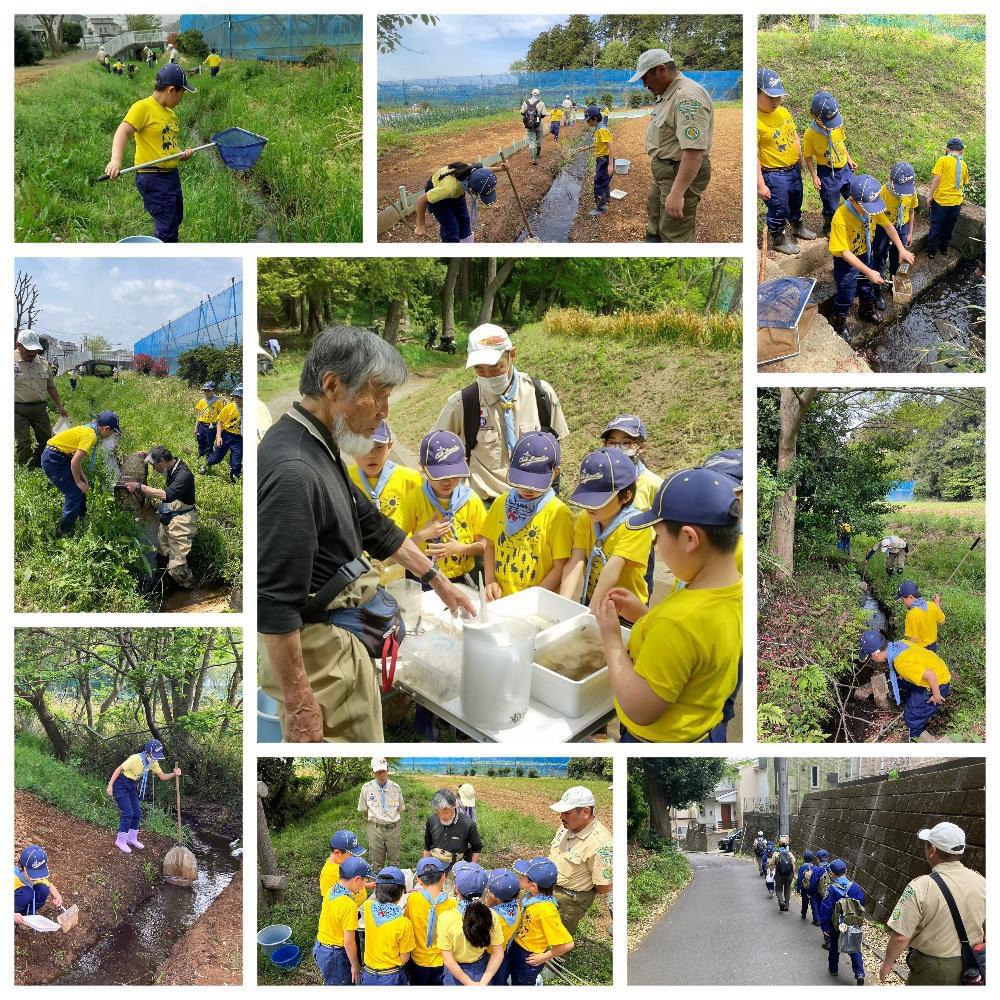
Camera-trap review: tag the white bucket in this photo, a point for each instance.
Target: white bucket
(497, 659)
(621, 166)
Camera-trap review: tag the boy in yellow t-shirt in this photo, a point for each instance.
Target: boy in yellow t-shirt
(900, 196)
(206, 416)
(213, 61)
(605, 553)
(444, 517)
(32, 883)
(681, 697)
(502, 890)
(424, 907)
(555, 121)
(336, 949)
(603, 164)
(389, 936)
(444, 197)
(470, 937)
(851, 245)
(384, 482)
(824, 147)
(528, 531)
(343, 845)
(229, 437)
(946, 195)
(922, 616)
(156, 128)
(542, 935)
(779, 165)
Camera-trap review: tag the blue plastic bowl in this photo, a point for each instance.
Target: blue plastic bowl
(140, 239)
(287, 956)
(273, 937)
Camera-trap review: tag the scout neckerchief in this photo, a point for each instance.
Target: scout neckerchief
(899, 207)
(597, 552)
(459, 499)
(958, 171)
(828, 133)
(509, 911)
(843, 883)
(433, 902)
(382, 913)
(209, 402)
(506, 400)
(147, 766)
(518, 511)
(339, 890)
(921, 603)
(93, 451)
(864, 220)
(540, 898)
(376, 491)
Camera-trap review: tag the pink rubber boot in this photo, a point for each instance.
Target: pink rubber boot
(121, 842)
(133, 839)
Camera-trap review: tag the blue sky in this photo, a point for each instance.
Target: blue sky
(121, 298)
(460, 45)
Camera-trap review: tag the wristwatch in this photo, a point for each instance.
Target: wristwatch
(429, 575)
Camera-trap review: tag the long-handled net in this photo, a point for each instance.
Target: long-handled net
(780, 303)
(239, 148)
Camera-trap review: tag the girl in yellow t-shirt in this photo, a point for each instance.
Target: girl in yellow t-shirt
(470, 937)
(127, 786)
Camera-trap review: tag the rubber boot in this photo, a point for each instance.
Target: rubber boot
(800, 230)
(827, 222)
(121, 842)
(868, 312)
(880, 298)
(133, 839)
(780, 243)
(839, 324)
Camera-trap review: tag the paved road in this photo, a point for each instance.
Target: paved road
(723, 930)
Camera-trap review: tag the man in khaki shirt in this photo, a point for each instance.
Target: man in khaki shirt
(678, 141)
(922, 921)
(381, 802)
(33, 386)
(582, 853)
(507, 405)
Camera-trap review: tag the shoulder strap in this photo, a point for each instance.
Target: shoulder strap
(544, 405)
(953, 909)
(470, 417)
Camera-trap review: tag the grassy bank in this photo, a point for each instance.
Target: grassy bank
(655, 880)
(917, 90)
(303, 846)
(305, 187)
(420, 131)
(77, 793)
(98, 568)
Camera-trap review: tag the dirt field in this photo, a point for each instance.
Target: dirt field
(24, 75)
(88, 870)
(719, 215)
(211, 952)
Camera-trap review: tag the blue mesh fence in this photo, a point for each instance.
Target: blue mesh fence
(923, 22)
(286, 37)
(507, 90)
(216, 322)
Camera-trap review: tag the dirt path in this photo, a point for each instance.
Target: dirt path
(88, 870)
(211, 952)
(25, 75)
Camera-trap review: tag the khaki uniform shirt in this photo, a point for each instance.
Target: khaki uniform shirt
(370, 802)
(683, 118)
(490, 458)
(923, 916)
(583, 858)
(31, 379)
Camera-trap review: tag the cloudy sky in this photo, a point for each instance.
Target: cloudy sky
(459, 45)
(121, 298)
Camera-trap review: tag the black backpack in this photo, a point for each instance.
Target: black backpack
(530, 116)
(784, 864)
(470, 414)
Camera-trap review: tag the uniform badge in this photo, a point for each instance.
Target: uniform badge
(692, 133)
(482, 416)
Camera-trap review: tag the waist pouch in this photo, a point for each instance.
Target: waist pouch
(165, 513)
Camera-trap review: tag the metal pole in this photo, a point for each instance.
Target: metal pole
(781, 775)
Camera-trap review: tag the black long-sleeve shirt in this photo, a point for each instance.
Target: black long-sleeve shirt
(179, 484)
(460, 838)
(311, 520)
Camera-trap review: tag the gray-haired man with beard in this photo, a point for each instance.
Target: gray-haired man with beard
(313, 526)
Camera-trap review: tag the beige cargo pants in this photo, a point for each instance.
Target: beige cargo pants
(383, 844)
(175, 540)
(664, 228)
(573, 904)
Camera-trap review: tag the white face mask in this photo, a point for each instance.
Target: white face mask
(495, 384)
(632, 450)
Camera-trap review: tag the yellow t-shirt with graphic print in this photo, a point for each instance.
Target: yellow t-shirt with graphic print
(913, 661)
(401, 481)
(847, 232)
(525, 559)
(444, 187)
(948, 193)
(208, 413)
(230, 418)
(416, 511)
(336, 916)
(815, 146)
(329, 876)
(892, 203)
(450, 937)
(688, 650)
(157, 132)
(776, 138)
(602, 140)
(418, 910)
(132, 768)
(541, 928)
(632, 546)
(385, 944)
(82, 438)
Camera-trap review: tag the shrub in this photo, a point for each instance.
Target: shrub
(636, 99)
(209, 363)
(532, 772)
(318, 55)
(607, 99)
(192, 43)
(70, 33)
(28, 50)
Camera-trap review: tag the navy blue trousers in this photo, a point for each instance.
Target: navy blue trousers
(918, 710)
(452, 215)
(785, 203)
(56, 466)
(850, 285)
(943, 219)
(832, 181)
(602, 182)
(162, 198)
(205, 434)
(502, 977)
(334, 965)
(126, 796)
(884, 250)
(233, 444)
(396, 977)
(857, 959)
(474, 970)
(521, 974)
(30, 898)
(424, 975)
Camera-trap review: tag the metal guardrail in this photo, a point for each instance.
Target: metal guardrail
(118, 44)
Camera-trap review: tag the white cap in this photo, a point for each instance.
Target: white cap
(487, 345)
(760, 833)
(28, 339)
(573, 798)
(648, 60)
(946, 837)
(380, 764)
(467, 794)
(536, 93)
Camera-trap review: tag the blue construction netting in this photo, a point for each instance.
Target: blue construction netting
(901, 492)
(921, 22)
(216, 322)
(507, 90)
(286, 37)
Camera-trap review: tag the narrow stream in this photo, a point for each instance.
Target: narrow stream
(552, 219)
(131, 953)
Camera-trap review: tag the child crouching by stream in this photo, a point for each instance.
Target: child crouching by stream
(127, 785)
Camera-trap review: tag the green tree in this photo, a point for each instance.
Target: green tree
(28, 50)
(96, 343)
(672, 783)
(389, 29)
(192, 43)
(70, 34)
(143, 22)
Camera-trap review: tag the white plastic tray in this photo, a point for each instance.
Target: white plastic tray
(39, 923)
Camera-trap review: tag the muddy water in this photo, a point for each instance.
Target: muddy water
(938, 323)
(132, 952)
(575, 658)
(553, 218)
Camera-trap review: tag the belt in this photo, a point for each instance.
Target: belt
(34, 402)
(384, 826)
(57, 453)
(573, 893)
(156, 170)
(332, 947)
(779, 170)
(383, 972)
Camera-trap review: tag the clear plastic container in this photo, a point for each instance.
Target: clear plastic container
(496, 671)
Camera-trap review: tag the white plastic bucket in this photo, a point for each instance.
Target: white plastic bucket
(273, 937)
(496, 671)
(621, 166)
(140, 239)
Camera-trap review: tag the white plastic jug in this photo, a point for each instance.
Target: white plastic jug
(496, 671)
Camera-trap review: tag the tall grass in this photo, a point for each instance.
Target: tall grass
(652, 876)
(715, 330)
(305, 187)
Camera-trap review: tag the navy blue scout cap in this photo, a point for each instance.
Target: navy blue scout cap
(867, 192)
(345, 840)
(155, 750)
(902, 179)
(382, 435)
(692, 496)
(592, 112)
(541, 871)
(769, 82)
(483, 183)
(955, 143)
(824, 107)
(729, 462)
(534, 461)
(838, 866)
(353, 867)
(391, 876)
(603, 473)
(627, 424)
(470, 880)
(442, 454)
(871, 642)
(172, 75)
(425, 865)
(503, 883)
(108, 418)
(907, 589)
(34, 862)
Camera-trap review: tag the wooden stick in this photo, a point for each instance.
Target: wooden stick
(177, 786)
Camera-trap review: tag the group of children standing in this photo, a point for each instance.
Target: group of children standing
(493, 928)
(218, 429)
(869, 223)
(601, 556)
